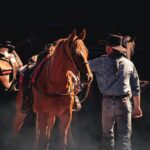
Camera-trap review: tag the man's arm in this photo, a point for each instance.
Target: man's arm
(136, 91)
(94, 64)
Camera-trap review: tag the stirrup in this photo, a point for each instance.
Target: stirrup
(77, 105)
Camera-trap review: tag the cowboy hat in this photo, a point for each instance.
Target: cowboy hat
(117, 42)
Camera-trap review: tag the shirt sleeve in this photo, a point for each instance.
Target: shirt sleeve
(94, 64)
(135, 83)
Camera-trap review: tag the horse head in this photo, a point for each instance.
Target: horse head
(130, 46)
(79, 55)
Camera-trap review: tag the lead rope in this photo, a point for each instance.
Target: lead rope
(86, 94)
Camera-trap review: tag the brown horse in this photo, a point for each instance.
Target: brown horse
(54, 89)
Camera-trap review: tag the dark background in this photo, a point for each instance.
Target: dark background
(31, 25)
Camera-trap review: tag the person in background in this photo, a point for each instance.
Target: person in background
(10, 65)
(9, 55)
(7, 50)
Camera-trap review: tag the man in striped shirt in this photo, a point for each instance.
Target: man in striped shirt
(118, 81)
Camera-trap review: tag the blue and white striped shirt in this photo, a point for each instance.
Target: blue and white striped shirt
(112, 83)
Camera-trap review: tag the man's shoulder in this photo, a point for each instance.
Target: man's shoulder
(127, 61)
(102, 57)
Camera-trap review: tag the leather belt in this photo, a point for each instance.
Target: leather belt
(115, 96)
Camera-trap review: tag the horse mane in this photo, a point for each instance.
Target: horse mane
(53, 48)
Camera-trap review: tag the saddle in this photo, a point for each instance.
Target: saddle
(30, 76)
(27, 78)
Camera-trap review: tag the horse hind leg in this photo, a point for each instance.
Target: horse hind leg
(19, 116)
(18, 122)
(51, 123)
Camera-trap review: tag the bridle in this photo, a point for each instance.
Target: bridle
(81, 84)
(85, 63)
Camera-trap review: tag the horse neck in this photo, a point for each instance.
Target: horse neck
(57, 67)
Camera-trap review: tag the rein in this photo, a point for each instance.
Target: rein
(57, 93)
(36, 73)
(71, 92)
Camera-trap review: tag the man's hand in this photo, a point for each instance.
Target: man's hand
(137, 112)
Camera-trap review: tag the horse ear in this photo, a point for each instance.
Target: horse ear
(82, 35)
(72, 35)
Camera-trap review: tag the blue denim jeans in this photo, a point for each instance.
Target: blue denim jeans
(116, 111)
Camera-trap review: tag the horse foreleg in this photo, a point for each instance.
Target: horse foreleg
(64, 125)
(41, 131)
(18, 122)
(49, 126)
(19, 116)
